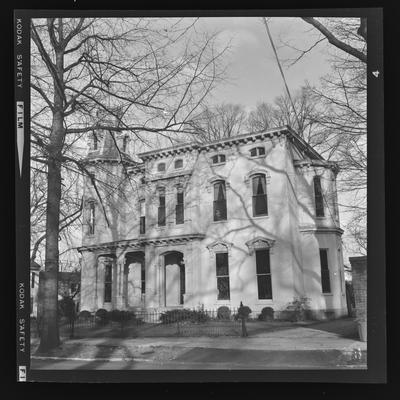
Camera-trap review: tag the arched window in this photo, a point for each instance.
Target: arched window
(260, 206)
(218, 159)
(161, 167)
(219, 201)
(257, 151)
(178, 164)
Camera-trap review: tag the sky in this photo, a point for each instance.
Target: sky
(252, 68)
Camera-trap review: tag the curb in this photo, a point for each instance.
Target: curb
(89, 359)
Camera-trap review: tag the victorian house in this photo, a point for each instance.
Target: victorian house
(251, 218)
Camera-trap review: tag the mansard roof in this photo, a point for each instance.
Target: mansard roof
(297, 141)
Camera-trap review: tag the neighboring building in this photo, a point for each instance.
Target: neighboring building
(34, 285)
(250, 218)
(69, 283)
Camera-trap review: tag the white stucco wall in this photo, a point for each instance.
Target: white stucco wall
(291, 224)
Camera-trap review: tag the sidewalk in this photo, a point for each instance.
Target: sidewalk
(329, 344)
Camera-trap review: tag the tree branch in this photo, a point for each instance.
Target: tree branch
(335, 41)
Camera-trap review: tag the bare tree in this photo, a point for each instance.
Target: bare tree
(342, 99)
(304, 118)
(347, 34)
(218, 122)
(114, 75)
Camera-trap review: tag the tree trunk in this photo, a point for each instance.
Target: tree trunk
(48, 286)
(48, 283)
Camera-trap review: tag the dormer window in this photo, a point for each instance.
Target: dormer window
(218, 159)
(178, 164)
(257, 151)
(161, 167)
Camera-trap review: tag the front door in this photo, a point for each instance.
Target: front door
(174, 279)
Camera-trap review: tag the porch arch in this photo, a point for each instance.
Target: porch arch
(134, 279)
(174, 278)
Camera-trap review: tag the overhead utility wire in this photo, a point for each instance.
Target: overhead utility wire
(280, 69)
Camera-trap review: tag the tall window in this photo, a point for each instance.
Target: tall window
(219, 201)
(143, 278)
(260, 206)
(179, 209)
(32, 280)
(91, 221)
(263, 271)
(222, 276)
(319, 200)
(161, 208)
(325, 278)
(257, 151)
(108, 283)
(142, 223)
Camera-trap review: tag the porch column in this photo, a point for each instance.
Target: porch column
(198, 298)
(151, 278)
(160, 280)
(119, 296)
(100, 281)
(189, 275)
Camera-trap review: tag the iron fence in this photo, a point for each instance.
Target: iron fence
(149, 323)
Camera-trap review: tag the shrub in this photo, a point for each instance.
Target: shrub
(121, 315)
(171, 316)
(102, 316)
(223, 312)
(267, 314)
(199, 316)
(85, 314)
(297, 310)
(67, 308)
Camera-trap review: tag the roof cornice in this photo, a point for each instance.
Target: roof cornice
(221, 143)
(140, 242)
